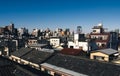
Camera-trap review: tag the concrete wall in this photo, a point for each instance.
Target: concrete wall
(55, 41)
(84, 45)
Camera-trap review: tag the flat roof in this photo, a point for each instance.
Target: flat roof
(37, 45)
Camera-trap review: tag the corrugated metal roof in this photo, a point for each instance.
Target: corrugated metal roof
(108, 51)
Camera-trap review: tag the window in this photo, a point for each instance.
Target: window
(71, 46)
(103, 45)
(56, 74)
(94, 30)
(99, 58)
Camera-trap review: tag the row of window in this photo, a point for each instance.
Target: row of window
(100, 38)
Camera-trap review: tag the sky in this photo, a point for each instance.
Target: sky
(54, 14)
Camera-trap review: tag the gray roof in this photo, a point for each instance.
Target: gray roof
(36, 56)
(21, 52)
(37, 45)
(108, 51)
(84, 66)
(73, 73)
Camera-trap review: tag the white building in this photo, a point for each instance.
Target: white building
(35, 32)
(55, 41)
(22, 31)
(78, 44)
(98, 29)
(83, 45)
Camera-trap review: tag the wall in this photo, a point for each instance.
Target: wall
(106, 57)
(96, 31)
(84, 45)
(55, 41)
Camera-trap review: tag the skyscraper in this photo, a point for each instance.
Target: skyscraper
(79, 29)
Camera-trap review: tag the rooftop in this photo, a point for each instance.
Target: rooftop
(21, 52)
(36, 56)
(9, 68)
(37, 45)
(63, 70)
(70, 51)
(84, 66)
(107, 51)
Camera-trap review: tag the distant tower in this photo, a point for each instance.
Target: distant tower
(11, 27)
(79, 29)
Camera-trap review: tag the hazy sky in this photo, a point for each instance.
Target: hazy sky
(60, 13)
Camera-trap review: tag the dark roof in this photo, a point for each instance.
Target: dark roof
(107, 51)
(21, 52)
(84, 66)
(70, 51)
(36, 56)
(9, 68)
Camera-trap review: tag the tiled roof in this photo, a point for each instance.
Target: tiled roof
(70, 51)
(21, 52)
(9, 68)
(36, 56)
(84, 66)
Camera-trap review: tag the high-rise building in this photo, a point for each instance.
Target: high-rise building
(79, 29)
(22, 31)
(1, 30)
(35, 32)
(11, 27)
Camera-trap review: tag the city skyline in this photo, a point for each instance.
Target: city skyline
(60, 14)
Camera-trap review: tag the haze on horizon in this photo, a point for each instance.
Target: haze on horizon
(60, 13)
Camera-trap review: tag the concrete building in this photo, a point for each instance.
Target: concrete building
(79, 29)
(11, 27)
(1, 30)
(104, 39)
(35, 32)
(32, 41)
(22, 31)
(55, 41)
(78, 45)
(81, 43)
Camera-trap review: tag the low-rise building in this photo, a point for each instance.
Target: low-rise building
(104, 54)
(58, 71)
(104, 39)
(31, 57)
(55, 41)
(75, 52)
(32, 41)
(80, 42)
(81, 66)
